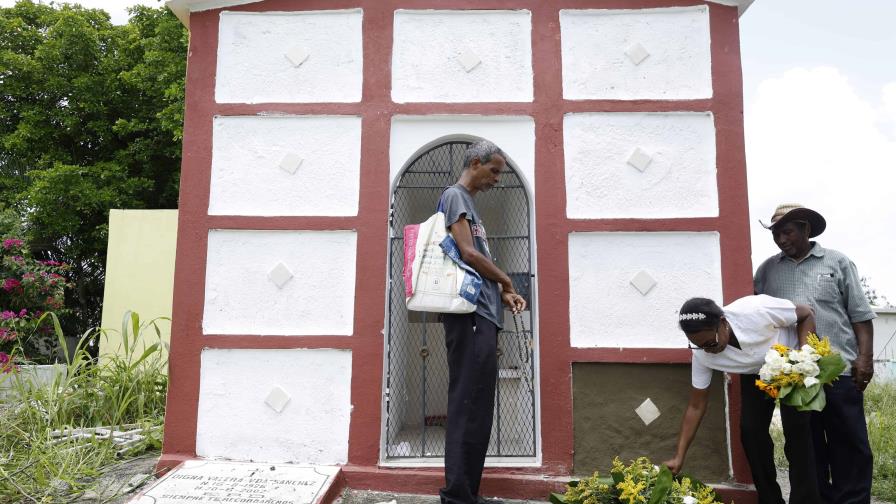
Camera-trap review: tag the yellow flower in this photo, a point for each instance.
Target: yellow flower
(631, 490)
(781, 349)
(768, 388)
(821, 345)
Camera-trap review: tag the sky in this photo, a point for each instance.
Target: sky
(820, 124)
(820, 121)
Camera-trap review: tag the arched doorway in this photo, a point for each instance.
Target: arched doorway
(416, 372)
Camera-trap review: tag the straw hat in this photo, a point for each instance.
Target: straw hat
(789, 212)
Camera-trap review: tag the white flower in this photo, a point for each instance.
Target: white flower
(689, 500)
(765, 374)
(807, 368)
(787, 368)
(810, 353)
(809, 381)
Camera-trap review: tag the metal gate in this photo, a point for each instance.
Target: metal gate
(416, 368)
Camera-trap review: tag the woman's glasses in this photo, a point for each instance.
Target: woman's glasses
(707, 346)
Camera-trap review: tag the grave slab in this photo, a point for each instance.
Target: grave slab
(208, 481)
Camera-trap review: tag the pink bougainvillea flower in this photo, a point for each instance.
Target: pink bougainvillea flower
(28, 276)
(23, 312)
(50, 263)
(12, 243)
(7, 334)
(6, 365)
(7, 314)
(10, 283)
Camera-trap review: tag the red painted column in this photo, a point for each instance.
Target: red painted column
(192, 242)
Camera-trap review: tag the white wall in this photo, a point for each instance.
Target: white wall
(234, 422)
(318, 299)
(596, 66)
(254, 51)
(675, 178)
(605, 310)
(431, 48)
(286, 165)
(885, 334)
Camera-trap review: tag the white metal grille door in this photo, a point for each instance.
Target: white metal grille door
(416, 368)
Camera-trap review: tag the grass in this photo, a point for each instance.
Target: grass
(121, 390)
(880, 409)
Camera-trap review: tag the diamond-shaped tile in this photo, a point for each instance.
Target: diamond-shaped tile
(647, 411)
(468, 60)
(636, 53)
(280, 275)
(640, 159)
(297, 55)
(277, 399)
(291, 162)
(643, 282)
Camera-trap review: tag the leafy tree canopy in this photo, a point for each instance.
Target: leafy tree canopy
(90, 119)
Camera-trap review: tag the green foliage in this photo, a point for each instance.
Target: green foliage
(880, 407)
(90, 119)
(123, 391)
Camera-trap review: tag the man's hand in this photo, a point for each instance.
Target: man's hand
(514, 301)
(862, 371)
(674, 464)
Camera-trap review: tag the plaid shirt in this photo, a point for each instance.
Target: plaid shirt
(827, 281)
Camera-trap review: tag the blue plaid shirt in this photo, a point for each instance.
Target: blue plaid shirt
(827, 281)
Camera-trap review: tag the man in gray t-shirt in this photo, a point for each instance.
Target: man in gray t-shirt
(471, 339)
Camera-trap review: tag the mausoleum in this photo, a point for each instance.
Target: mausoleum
(315, 130)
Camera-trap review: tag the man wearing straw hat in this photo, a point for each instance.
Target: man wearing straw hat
(805, 272)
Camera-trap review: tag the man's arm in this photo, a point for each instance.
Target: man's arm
(805, 323)
(863, 366)
(463, 236)
(689, 423)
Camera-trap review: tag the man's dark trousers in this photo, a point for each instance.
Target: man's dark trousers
(472, 342)
(755, 418)
(842, 454)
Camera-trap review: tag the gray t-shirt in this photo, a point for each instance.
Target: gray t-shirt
(457, 201)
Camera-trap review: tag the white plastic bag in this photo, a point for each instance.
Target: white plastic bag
(435, 277)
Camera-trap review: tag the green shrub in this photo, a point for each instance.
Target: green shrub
(124, 392)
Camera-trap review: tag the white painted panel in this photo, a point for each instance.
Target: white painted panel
(254, 66)
(235, 423)
(241, 298)
(596, 66)
(435, 54)
(286, 165)
(604, 180)
(606, 310)
(515, 135)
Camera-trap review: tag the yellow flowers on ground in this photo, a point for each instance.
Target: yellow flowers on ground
(639, 482)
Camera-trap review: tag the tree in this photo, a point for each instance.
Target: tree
(871, 294)
(90, 119)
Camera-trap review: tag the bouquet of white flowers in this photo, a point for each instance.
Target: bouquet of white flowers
(795, 376)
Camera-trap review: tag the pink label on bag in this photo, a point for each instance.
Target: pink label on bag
(411, 232)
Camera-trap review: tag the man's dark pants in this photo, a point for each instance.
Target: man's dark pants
(472, 342)
(842, 454)
(755, 418)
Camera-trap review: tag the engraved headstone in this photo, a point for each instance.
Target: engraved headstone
(206, 481)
